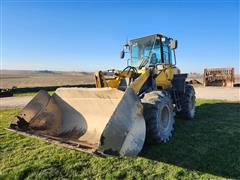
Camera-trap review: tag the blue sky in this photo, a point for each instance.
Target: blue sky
(88, 35)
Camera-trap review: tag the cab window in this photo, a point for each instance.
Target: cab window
(167, 54)
(134, 61)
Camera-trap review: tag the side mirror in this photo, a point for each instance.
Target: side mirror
(122, 54)
(173, 44)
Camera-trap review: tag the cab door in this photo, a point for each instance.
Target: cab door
(167, 69)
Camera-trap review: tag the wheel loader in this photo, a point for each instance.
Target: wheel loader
(127, 109)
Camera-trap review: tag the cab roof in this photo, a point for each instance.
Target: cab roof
(148, 37)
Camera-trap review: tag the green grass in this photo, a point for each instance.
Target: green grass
(206, 148)
(31, 93)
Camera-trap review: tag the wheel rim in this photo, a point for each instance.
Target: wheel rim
(165, 118)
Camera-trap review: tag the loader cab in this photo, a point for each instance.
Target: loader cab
(151, 50)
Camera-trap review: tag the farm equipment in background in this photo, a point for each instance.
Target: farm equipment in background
(6, 93)
(219, 77)
(127, 107)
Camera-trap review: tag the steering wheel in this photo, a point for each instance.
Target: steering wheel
(130, 68)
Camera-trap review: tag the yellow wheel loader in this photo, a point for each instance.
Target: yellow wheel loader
(127, 108)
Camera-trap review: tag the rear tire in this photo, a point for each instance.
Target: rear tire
(159, 116)
(187, 102)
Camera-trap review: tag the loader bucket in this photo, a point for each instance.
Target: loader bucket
(102, 120)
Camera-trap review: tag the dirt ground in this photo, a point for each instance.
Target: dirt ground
(223, 93)
(22, 79)
(227, 94)
(14, 102)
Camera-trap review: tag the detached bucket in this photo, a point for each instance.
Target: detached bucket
(105, 120)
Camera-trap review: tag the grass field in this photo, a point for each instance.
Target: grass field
(206, 148)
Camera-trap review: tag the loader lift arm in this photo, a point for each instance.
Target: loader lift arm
(139, 82)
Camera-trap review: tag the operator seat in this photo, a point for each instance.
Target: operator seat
(153, 60)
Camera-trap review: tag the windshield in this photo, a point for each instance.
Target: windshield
(145, 51)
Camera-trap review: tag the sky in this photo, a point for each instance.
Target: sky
(84, 35)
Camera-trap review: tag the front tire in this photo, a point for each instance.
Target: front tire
(187, 102)
(159, 116)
